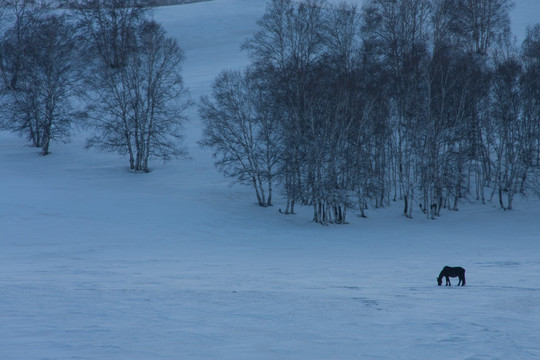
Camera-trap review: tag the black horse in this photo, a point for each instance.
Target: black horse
(449, 272)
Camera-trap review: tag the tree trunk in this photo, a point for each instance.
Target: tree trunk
(269, 199)
(405, 205)
(501, 202)
(45, 143)
(411, 198)
(260, 200)
(510, 199)
(46, 139)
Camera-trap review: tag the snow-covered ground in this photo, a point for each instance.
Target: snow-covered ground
(100, 263)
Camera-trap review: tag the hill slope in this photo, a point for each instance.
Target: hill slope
(99, 263)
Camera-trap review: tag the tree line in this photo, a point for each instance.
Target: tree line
(426, 102)
(101, 64)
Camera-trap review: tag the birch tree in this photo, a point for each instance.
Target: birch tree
(14, 41)
(240, 127)
(510, 133)
(41, 106)
(396, 31)
(530, 92)
(139, 105)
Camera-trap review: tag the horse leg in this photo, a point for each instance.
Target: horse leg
(448, 281)
(459, 283)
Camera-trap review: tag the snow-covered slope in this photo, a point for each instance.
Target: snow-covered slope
(99, 263)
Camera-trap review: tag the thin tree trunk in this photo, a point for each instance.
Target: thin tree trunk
(260, 200)
(501, 202)
(510, 199)
(45, 143)
(269, 200)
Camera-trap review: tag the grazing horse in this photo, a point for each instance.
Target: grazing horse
(449, 272)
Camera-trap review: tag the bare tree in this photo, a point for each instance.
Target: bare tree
(443, 135)
(14, 41)
(530, 85)
(240, 127)
(288, 47)
(509, 131)
(397, 33)
(111, 26)
(139, 105)
(480, 23)
(41, 105)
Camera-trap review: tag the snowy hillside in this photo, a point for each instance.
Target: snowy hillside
(100, 263)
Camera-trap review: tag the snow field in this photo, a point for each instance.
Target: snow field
(100, 263)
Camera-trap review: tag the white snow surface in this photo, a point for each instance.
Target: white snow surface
(99, 263)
